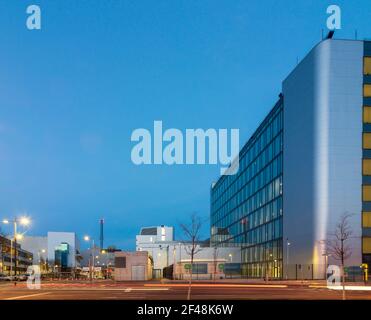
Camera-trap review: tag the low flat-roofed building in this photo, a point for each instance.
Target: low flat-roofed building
(133, 266)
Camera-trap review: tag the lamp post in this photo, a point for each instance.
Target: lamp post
(91, 258)
(39, 254)
(22, 221)
(287, 257)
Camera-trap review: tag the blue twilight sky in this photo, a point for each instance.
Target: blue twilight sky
(72, 93)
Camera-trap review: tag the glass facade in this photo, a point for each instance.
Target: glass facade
(246, 208)
(61, 256)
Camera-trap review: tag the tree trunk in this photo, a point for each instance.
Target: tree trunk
(342, 268)
(190, 279)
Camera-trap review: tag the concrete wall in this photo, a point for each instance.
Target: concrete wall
(322, 150)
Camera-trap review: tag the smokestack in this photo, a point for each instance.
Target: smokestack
(101, 222)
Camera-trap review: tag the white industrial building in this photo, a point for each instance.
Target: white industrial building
(165, 251)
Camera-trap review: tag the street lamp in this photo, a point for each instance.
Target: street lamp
(287, 257)
(25, 221)
(39, 252)
(91, 257)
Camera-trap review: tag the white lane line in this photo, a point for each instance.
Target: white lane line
(28, 296)
(351, 288)
(127, 290)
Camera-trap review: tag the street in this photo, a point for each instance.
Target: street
(106, 290)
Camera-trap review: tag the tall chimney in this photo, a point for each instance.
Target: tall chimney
(101, 223)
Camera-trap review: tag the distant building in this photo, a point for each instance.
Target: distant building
(58, 251)
(63, 251)
(21, 263)
(165, 251)
(156, 241)
(38, 246)
(153, 235)
(103, 262)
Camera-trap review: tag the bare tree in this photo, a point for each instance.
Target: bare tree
(192, 232)
(338, 244)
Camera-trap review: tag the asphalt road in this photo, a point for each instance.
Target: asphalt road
(171, 291)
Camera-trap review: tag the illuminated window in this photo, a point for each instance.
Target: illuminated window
(366, 242)
(367, 193)
(367, 66)
(367, 114)
(366, 167)
(367, 140)
(367, 90)
(366, 219)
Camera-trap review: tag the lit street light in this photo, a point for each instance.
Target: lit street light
(91, 257)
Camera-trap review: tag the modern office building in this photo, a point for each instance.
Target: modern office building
(13, 259)
(308, 163)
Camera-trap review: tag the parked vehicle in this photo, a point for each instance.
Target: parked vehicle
(22, 277)
(4, 277)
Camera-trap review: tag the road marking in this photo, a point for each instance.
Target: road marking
(128, 290)
(150, 289)
(28, 296)
(219, 285)
(351, 288)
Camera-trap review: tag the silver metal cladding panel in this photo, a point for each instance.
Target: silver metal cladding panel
(322, 150)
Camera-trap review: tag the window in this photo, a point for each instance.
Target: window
(366, 219)
(367, 114)
(367, 193)
(366, 167)
(367, 66)
(366, 243)
(120, 262)
(367, 90)
(367, 141)
(199, 268)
